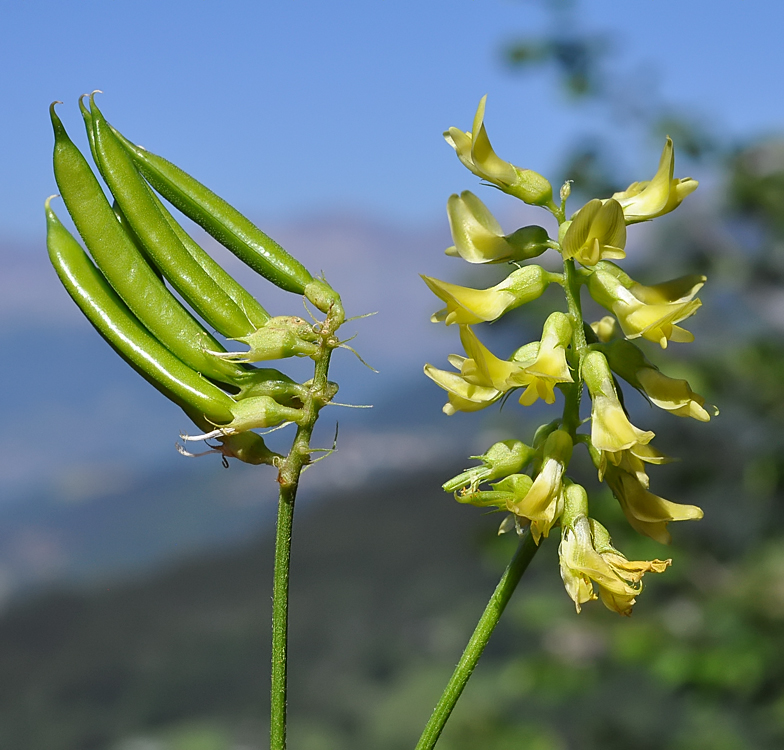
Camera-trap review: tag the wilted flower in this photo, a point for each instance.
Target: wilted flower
(587, 556)
(478, 237)
(647, 513)
(467, 306)
(474, 150)
(642, 201)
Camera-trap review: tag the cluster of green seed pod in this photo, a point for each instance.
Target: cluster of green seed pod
(139, 256)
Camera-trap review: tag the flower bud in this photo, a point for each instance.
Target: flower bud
(501, 460)
(604, 328)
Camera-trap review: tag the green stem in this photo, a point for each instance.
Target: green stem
(473, 651)
(571, 413)
(289, 474)
(280, 619)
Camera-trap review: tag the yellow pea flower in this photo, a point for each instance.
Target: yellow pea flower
(587, 557)
(633, 461)
(598, 231)
(463, 395)
(478, 237)
(643, 201)
(467, 306)
(611, 429)
(647, 513)
(543, 503)
(604, 328)
(475, 152)
(655, 322)
(549, 367)
(672, 394)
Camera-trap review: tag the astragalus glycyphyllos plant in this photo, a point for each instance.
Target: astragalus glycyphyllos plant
(139, 254)
(529, 483)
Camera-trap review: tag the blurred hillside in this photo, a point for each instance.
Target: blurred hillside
(390, 574)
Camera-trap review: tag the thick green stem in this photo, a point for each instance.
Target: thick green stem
(476, 645)
(288, 477)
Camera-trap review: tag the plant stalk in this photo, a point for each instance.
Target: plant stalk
(476, 645)
(290, 470)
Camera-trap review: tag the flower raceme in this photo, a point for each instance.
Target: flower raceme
(531, 483)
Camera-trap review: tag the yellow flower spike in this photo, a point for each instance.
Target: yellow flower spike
(467, 306)
(655, 322)
(647, 513)
(475, 152)
(598, 231)
(549, 367)
(587, 556)
(643, 201)
(611, 429)
(478, 237)
(543, 503)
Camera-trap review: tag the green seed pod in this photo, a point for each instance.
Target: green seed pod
(206, 404)
(127, 271)
(233, 230)
(161, 243)
(117, 324)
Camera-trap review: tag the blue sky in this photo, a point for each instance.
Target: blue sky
(322, 121)
(290, 108)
